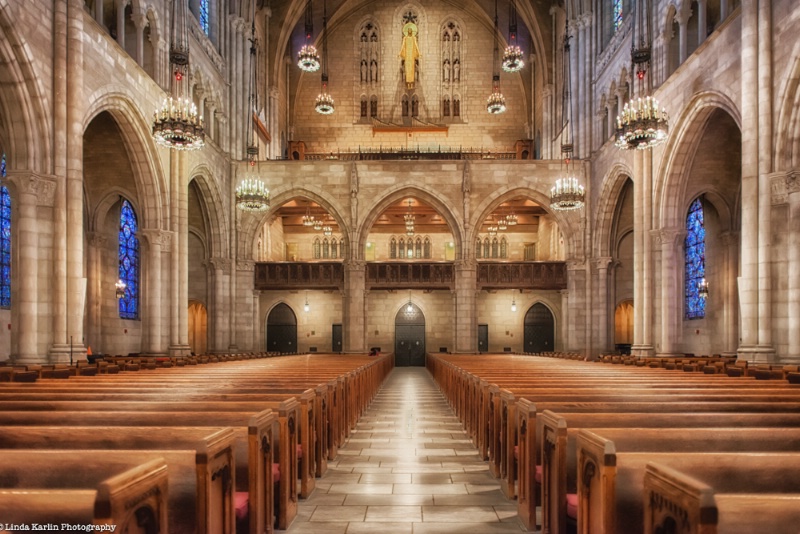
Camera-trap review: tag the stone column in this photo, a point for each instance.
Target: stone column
(576, 87)
(702, 31)
(671, 292)
(354, 307)
(275, 142)
(208, 118)
(257, 344)
(765, 152)
(748, 281)
(576, 339)
(157, 240)
(723, 10)
(179, 282)
(139, 22)
(121, 22)
(612, 117)
(565, 329)
(98, 12)
(94, 304)
(547, 119)
(683, 38)
(59, 272)
(27, 305)
(586, 84)
(602, 305)
(76, 103)
(730, 309)
(243, 307)
(466, 328)
(218, 315)
(647, 260)
(793, 189)
(639, 235)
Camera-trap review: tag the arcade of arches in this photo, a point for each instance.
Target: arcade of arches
(412, 183)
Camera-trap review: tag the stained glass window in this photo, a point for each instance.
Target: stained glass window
(695, 246)
(393, 249)
(617, 14)
(317, 249)
(129, 261)
(5, 240)
(204, 16)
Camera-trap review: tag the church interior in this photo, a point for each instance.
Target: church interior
(392, 248)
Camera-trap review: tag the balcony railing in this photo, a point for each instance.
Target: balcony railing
(522, 275)
(299, 275)
(409, 275)
(551, 275)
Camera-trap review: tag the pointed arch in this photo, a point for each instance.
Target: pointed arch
(214, 213)
(613, 183)
(438, 202)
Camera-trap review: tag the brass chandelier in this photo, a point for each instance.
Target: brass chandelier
(324, 103)
(643, 123)
(496, 103)
(307, 57)
(177, 124)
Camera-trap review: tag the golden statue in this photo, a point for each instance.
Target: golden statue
(409, 52)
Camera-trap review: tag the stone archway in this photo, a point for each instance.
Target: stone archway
(409, 336)
(539, 333)
(282, 330)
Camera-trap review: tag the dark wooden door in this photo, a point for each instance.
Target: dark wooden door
(539, 329)
(483, 337)
(409, 335)
(281, 330)
(336, 342)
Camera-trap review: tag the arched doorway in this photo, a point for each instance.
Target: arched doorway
(623, 326)
(198, 327)
(539, 329)
(282, 329)
(409, 336)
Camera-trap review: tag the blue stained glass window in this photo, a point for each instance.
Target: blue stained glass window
(5, 240)
(129, 261)
(695, 249)
(617, 14)
(204, 16)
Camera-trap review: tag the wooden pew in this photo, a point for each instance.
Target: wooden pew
(554, 437)
(676, 502)
(253, 453)
(200, 497)
(262, 448)
(611, 483)
(132, 500)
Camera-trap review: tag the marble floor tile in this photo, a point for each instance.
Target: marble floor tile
(408, 468)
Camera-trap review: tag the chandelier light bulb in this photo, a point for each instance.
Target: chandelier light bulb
(642, 124)
(308, 58)
(567, 194)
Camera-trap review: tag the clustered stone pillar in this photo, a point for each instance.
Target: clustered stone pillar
(156, 240)
(603, 305)
(27, 329)
(793, 189)
(466, 322)
(354, 313)
(97, 245)
(670, 302)
(220, 316)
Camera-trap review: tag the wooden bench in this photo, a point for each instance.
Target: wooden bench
(263, 447)
(132, 499)
(611, 483)
(676, 502)
(200, 497)
(557, 437)
(253, 453)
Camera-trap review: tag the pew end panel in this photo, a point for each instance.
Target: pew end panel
(678, 502)
(528, 485)
(137, 497)
(263, 431)
(596, 481)
(508, 442)
(553, 429)
(288, 413)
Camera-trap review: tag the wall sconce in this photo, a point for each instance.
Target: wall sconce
(120, 286)
(702, 288)
(514, 304)
(409, 307)
(306, 307)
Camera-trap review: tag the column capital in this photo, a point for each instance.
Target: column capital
(221, 264)
(729, 238)
(355, 265)
(245, 265)
(139, 20)
(97, 240)
(40, 186)
(792, 182)
(157, 237)
(267, 12)
(603, 262)
(669, 237)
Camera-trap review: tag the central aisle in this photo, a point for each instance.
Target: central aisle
(408, 468)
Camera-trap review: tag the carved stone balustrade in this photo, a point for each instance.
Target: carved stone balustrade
(410, 275)
(299, 275)
(522, 275)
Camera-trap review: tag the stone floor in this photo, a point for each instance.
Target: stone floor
(407, 468)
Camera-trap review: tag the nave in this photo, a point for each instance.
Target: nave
(408, 467)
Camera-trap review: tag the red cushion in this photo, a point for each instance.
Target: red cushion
(538, 475)
(572, 505)
(299, 452)
(242, 503)
(276, 473)
(516, 452)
